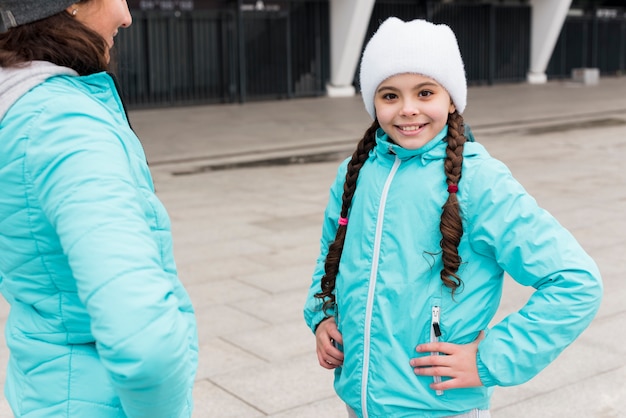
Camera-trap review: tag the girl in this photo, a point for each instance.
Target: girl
(99, 326)
(419, 230)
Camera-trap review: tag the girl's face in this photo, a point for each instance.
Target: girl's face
(412, 109)
(104, 17)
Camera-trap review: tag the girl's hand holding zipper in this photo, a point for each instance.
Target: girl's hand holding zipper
(326, 337)
(458, 362)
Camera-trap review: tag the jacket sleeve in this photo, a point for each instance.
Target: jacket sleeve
(527, 242)
(80, 171)
(313, 313)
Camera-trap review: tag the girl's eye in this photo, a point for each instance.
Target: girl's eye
(425, 93)
(389, 96)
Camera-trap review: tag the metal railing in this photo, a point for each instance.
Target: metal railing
(178, 57)
(596, 40)
(250, 50)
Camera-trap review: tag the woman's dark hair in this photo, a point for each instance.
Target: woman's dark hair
(450, 225)
(59, 39)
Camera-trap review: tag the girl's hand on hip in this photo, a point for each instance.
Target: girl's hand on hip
(326, 336)
(458, 362)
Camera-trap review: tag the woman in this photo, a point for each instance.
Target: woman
(100, 325)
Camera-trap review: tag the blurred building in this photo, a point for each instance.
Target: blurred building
(180, 52)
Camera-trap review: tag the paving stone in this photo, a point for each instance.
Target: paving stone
(277, 342)
(332, 407)
(211, 401)
(218, 356)
(282, 385)
(296, 277)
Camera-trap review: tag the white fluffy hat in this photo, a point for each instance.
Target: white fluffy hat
(418, 47)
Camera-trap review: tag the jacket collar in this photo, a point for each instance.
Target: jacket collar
(432, 150)
(17, 81)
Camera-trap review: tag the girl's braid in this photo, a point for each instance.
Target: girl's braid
(331, 266)
(451, 226)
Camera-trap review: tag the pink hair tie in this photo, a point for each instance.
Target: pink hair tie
(343, 221)
(453, 188)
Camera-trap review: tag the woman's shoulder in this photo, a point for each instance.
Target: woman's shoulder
(65, 112)
(67, 98)
(67, 92)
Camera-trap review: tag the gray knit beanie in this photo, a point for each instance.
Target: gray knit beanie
(17, 12)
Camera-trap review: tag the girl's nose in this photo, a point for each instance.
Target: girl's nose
(409, 108)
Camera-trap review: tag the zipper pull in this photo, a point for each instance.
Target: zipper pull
(434, 337)
(435, 321)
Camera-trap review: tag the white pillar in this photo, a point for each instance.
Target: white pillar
(547, 20)
(349, 20)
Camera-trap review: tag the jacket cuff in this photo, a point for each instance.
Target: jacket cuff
(318, 318)
(483, 373)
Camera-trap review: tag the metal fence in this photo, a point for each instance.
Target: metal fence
(168, 58)
(597, 39)
(249, 50)
(284, 51)
(171, 57)
(258, 51)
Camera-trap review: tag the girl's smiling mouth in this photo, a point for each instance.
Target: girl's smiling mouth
(410, 128)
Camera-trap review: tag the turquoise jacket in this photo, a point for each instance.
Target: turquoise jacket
(99, 324)
(389, 292)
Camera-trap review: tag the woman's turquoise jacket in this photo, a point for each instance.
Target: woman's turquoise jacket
(99, 325)
(389, 293)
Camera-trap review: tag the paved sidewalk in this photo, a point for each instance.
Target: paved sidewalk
(222, 134)
(247, 223)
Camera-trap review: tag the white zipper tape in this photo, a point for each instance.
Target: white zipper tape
(435, 333)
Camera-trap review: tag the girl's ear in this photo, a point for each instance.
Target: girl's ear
(452, 108)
